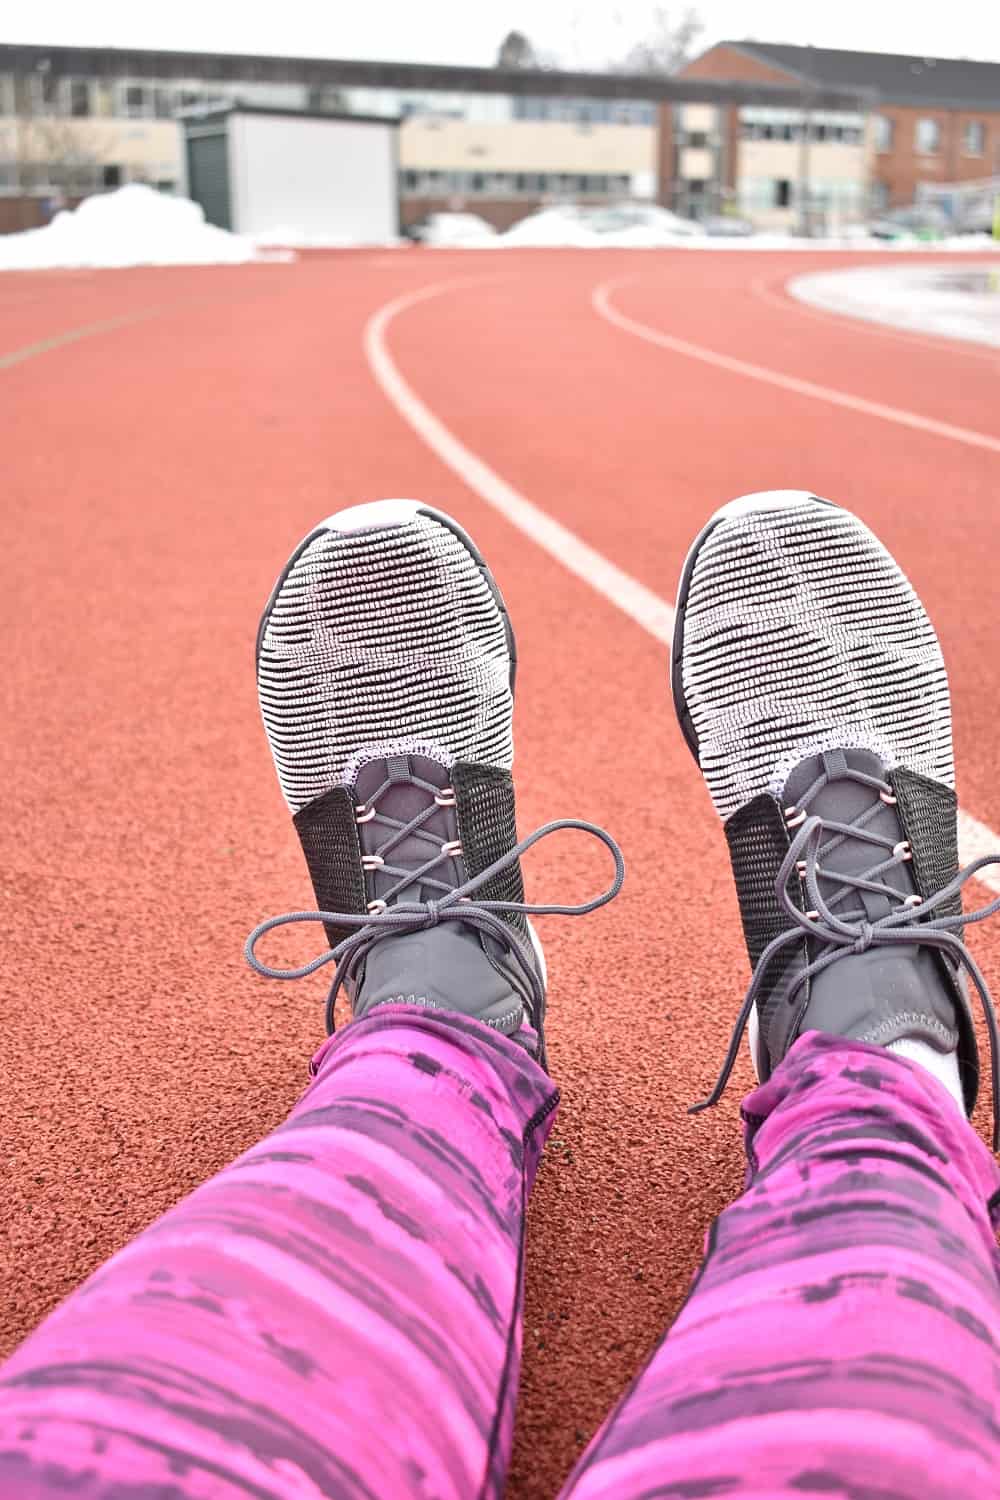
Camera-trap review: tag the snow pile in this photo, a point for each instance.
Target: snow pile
(638, 226)
(134, 226)
(646, 226)
(448, 231)
(294, 237)
(958, 302)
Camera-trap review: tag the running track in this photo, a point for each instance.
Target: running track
(158, 466)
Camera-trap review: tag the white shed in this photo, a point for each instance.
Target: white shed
(319, 176)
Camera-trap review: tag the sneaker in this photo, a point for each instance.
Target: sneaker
(810, 686)
(385, 671)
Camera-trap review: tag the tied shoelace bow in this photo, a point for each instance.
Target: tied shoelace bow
(850, 932)
(457, 905)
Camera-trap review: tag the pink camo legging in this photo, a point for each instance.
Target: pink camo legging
(337, 1314)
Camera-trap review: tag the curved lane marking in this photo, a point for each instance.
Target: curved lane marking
(632, 598)
(72, 335)
(601, 299)
(766, 290)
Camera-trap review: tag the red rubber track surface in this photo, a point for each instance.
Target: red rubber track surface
(157, 473)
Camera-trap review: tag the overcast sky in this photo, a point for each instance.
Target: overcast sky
(468, 31)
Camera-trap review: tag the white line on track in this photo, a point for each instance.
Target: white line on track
(73, 335)
(601, 299)
(764, 290)
(634, 599)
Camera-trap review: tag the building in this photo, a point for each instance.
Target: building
(929, 121)
(331, 176)
(500, 142)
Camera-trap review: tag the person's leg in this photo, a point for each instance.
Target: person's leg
(335, 1314)
(841, 1337)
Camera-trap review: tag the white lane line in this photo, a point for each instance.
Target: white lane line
(629, 595)
(601, 299)
(73, 335)
(764, 290)
(632, 598)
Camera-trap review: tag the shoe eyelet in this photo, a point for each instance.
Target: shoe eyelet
(445, 797)
(801, 867)
(902, 850)
(813, 916)
(452, 849)
(795, 816)
(363, 813)
(376, 906)
(372, 861)
(914, 901)
(888, 799)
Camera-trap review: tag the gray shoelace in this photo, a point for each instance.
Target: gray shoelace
(848, 933)
(456, 905)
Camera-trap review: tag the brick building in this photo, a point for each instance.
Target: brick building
(499, 142)
(930, 119)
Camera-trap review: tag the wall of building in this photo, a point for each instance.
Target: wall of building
(431, 143)
(321, 178)
(732, 66)
(898, 170)
(141, 150)
(770, 170)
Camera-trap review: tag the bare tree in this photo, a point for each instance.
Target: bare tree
(517, 51)
(51, 152)
(669, 39)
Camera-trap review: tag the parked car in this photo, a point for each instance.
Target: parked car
(920, 221)
(727, 226)
(444, 229)
(618, 216)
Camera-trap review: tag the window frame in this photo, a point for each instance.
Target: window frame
(924, 125)
(979, 126)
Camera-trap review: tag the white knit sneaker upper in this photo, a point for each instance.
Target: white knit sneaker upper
(802, 634)
(383, 636)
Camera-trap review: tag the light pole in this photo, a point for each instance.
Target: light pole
(805, 224)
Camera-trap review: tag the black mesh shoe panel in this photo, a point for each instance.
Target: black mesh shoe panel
(928, 815)
(758, 840)
(328, 833)
(487, 828)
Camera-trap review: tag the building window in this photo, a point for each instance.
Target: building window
(928, 137)
(135, 100)
(48, 90)
(111, 177)
(697, 138)
(974, 138)
(163, 104)
(79, 97)
(885, 131)
(782, 192)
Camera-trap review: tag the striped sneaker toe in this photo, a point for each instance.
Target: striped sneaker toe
(385, 629)
(797, 632)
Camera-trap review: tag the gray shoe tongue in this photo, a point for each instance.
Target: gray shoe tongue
(843, 801)
(391, 782)
(447, 967)
(884, 993)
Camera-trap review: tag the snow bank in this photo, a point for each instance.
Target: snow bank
(134, 226)
(958, 302)
(650, 227)
(293, 237)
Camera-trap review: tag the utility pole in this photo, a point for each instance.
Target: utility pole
(804, 191)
